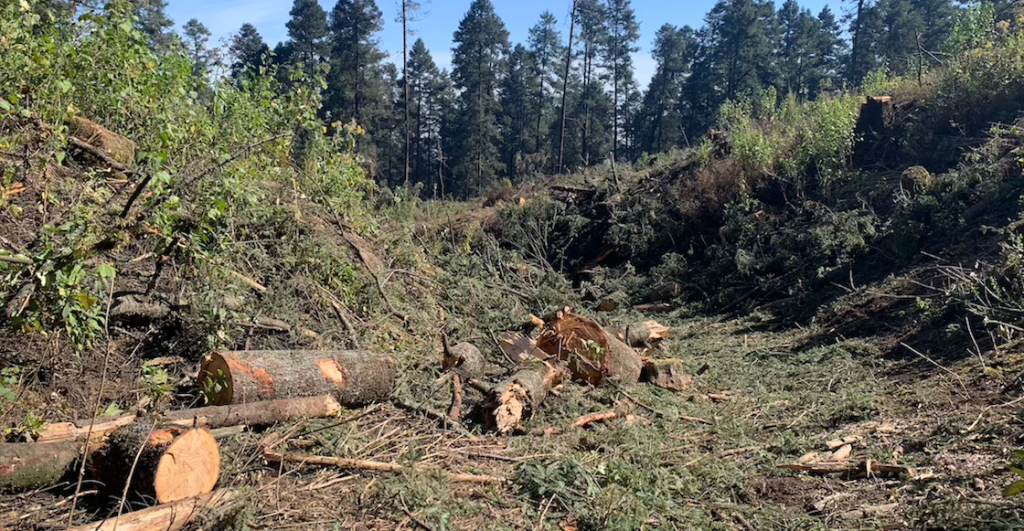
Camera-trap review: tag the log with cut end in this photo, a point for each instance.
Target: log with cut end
(255, 413)
(170, 464)
(589, 350)
(170, 517)
(26, 466)
(352, 377)
(667, 374)
(517, 397)
(645, 334)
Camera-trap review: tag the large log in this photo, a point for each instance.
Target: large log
(108, 143)
(590, 351)
(170, 517)
(352, 377)
(517, 397)
(169, 464)
(26, 466)
(464, 359)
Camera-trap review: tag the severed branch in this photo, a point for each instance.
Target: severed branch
(98, 153)
(374, 466)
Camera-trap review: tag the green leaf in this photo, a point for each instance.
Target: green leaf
(1014, 489)
(5, 105)
(106, 271)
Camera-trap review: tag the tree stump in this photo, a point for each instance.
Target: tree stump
(353, 377)
(517, 397)
(589, 350)
(169, 464)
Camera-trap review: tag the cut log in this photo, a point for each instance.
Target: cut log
(170, 517)
(465, 359)
(352, 377)
(646, 334)
(665, 292)
(26, 466)
(255, 413)
(517, 397)
(60, 432)
(169, 464)
(590, 352)
(667, 374)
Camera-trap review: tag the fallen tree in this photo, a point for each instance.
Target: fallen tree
(162, 464)
(169, 517)
(26, 466)
(352, 377)
(518, 396)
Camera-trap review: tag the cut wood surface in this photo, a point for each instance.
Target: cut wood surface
(517, 397)
(518, 347)
(169, 517)
(26, 466)
(262, 413)
(169, 464)
(589, 350)
(376, 466)
(645, 334)
(73, 431)
(352, 377)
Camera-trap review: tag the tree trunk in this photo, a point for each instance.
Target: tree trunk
(170, 517)
(352, 377)
(517, 397)
(565, 87)
(26, 466)
(405, 74)
(255, 413)
(464, 359)
(169, 464)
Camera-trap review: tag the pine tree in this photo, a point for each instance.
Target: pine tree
(741, 46)
(152, 20)
(518, 113)
(247, 51)
(590, 114)
(196, 35)
(829, 50)
(478, 62)
(355, 87)
(662, 124)
(864, 23)
(545, 45)
(622, 33)
(910, 29)
(427, 85)
(307, 33)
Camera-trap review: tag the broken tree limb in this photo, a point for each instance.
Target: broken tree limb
(115, 150)
(595, 417)
(262, 413)
(375, 466)
(61, 432)
(589, 350)
(352, 377)
(170, 517)
(26, 466)
(517, 397)
(162, 464)
(455, 411)
(667, 374)
(867, 468)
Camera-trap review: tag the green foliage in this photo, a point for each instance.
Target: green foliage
(1016, 487)
(10, 377)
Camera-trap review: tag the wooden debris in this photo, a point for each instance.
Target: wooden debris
(26, 466)
(517, 397)
(839, 443)
(113, 149)
(464, 359)
(169, 517)
(352, 377)
(740, 451)
(60, 432)
(375, 466)
(595, 417)
(262, 413)
(658, 307)
(665, 292)
(366, 254)
(843, 453)
(590, 352)
(869, 511)
(518, 347)
(867, 468)
(719, 397)
(667, 374)
(255, 285)
(647, 334)
(162, 464)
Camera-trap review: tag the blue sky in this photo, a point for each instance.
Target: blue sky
(441, 19)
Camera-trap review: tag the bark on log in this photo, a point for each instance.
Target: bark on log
(169, 464)
(255, 413)
(352, 377)
(589, 350)
(60, 432)
(26, 466)
(109, 143)
(465, 359)
(170, 517)
(645, 334)
(667, 374)
(517, 397)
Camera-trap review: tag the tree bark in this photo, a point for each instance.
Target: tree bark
(667, 374)
(170, 517)
(352, 377)
(26, 466)
(565, 87)
(464, 359)
(255, 413)
(517, 397)
(375, 466)
(592, 354)
(161, 464)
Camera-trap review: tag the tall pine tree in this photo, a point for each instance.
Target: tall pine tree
(518, 115)
(622, 33)
(307, 44)
(355, 86)
(548, 53)
(478, 64)
(247, 51)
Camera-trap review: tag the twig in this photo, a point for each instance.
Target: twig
(375, 466)
(595, 417)
(975, 341)
(933, 362)
(255, 285)
(983, 411)
(415, 520)
(455, 413)
(695, 419)
(131, 472)
(15, 259)
(98, 153)
(540, 521)
(738, 451)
